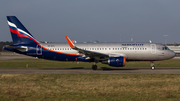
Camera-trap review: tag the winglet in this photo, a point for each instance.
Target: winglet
(70, 42)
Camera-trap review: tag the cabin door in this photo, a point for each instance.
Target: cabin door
(153, 48)
(38, 50)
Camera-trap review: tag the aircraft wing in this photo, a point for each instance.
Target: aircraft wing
(88, 53)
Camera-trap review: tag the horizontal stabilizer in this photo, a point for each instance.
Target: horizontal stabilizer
(19, 48)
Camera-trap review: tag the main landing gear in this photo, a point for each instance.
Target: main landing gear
(152, 65)
(94, 67)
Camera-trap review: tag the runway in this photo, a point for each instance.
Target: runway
(89, 71)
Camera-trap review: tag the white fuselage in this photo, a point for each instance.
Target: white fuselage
(132, 51)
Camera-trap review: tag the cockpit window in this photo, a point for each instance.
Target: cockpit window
(165, 48)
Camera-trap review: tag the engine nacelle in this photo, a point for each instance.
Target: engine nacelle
(116, 61)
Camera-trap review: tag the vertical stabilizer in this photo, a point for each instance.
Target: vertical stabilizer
(20, 35)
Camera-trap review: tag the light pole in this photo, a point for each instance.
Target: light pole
(165, 38)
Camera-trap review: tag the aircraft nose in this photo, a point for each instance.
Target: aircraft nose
(172, 54)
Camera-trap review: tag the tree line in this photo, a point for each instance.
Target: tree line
(3, 44)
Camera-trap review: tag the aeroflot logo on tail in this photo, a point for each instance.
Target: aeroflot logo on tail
(13, 26)
(132, 44)
(19, 32)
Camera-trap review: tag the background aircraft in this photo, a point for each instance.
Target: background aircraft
(114, 54)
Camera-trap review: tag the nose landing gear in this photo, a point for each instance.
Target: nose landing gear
(152, 65)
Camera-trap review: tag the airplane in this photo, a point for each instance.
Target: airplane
(113, 54)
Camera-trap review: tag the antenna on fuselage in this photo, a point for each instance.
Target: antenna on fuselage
(150, 41)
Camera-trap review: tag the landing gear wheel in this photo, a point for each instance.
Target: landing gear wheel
(94, 67)
(152, 65)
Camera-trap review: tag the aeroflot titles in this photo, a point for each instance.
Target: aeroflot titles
(132, 44)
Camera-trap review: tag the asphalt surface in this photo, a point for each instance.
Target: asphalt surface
(89, 71)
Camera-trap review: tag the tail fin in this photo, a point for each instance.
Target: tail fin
(20, 35)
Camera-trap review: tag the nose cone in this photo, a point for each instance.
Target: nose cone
(172, 54)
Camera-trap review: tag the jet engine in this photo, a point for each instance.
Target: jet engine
(115, 61)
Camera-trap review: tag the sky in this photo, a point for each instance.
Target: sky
(95, 20)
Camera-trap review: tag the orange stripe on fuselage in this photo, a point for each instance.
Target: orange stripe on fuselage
(21, 35)
(60, 52)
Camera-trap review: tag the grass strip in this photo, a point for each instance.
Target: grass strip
(88, 87)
